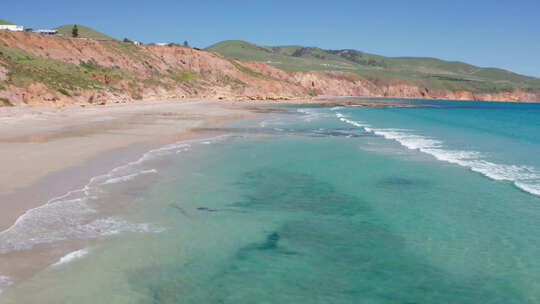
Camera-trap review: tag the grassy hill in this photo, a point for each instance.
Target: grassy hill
(5, 22)
(431, 73)
(84, 32)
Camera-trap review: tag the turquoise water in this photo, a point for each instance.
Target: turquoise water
(323, 205)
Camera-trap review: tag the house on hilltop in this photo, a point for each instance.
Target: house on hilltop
(12, 27)
(6, 25)
(45, 32)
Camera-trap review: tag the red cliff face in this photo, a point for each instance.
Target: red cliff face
(123, 72)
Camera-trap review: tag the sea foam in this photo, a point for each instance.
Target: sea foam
(310, 115)
(524, 177)
(4, 282)
(128, 177)
(70, 215)
(75, 255)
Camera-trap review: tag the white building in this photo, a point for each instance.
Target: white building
(45, 32)
(12, 27)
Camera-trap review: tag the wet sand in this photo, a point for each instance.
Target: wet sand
(46, 152)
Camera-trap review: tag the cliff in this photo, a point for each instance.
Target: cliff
(56, 71)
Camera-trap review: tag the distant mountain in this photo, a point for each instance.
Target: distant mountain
(84, 32)
(5, 22)
(430, 73)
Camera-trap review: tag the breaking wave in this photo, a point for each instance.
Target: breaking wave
(4, 282)
(75, 255)
(524, 177)
(72, 215)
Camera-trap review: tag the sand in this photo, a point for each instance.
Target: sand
(45, 152)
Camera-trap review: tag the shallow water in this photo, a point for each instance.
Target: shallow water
(319, 205)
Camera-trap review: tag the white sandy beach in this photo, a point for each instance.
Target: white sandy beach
(46, 152)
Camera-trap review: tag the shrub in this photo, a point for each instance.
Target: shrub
(75, 31)
(5, 102)
(64, 92)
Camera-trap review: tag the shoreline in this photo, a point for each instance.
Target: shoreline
(134, 130)
(48, 152)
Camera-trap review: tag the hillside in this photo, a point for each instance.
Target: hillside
(60, 70)
(431, 73)
(4, 22)
(84, 32)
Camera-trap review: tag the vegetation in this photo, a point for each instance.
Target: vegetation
(235, 83)
(431, 73)
(182, 76)
(127, 49)
(64, 92)
(5, 22)
(83, 32)
(75, 31)
(247, 70)
(69, 79)
(61, 76)
(4, 102)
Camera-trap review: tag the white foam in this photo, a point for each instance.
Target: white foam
(4, 282)
(128, 177)
(524, 177)
(67, 216)
(530, 188)
(111, 226)
(311, 114)
(355, 123)
(70, 257)
(279, 121)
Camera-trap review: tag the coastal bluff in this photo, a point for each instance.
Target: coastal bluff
(58, 71)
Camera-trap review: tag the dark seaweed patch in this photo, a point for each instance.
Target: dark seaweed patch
(271, 242)
(330, 247)
(207, 209)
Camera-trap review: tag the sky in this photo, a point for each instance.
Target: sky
(495, 33)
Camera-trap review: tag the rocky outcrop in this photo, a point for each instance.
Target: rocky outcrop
(98, 72)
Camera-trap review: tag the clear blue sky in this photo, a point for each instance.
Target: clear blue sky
(494, 33)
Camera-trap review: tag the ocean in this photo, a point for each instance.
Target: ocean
(305, 204)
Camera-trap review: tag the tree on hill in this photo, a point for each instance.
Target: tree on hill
(75, 31)
(186, 43)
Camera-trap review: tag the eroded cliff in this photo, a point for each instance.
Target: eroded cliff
(56, 71)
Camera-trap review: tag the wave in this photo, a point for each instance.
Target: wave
(307, 115)
(128, 177)
(529, 187)
(4, 282)
(524, 177)
(310, 115)
(75, 255)
(72, 216)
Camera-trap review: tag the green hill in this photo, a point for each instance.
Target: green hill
(5, 22)
(431, 73)
(84, 32)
